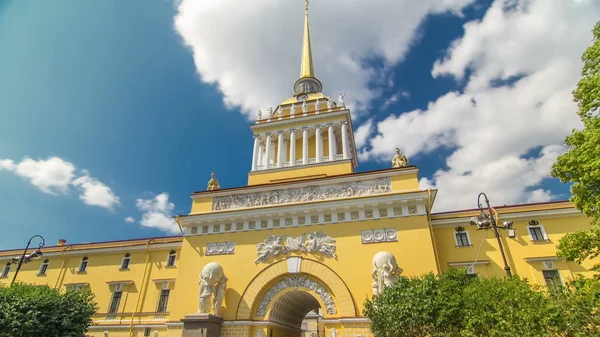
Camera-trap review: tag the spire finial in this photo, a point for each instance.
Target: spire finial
(306, 67)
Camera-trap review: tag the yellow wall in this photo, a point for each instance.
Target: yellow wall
(306, 172)
(414, 252)
(517, 249)
(405, 182)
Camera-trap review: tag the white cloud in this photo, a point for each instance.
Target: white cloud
(252, 52)
(536, 45)
(52, 175)
(130, 219)
(55, 175)
(158, 213)
(95, 193)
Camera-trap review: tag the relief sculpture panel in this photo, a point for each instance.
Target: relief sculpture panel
(303, 194)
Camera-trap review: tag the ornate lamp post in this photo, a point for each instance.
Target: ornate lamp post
(25, 258)
(485, 221)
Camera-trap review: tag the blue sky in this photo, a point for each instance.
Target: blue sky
(138, 101)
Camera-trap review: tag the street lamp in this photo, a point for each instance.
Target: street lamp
(485, 221)
(25, 258)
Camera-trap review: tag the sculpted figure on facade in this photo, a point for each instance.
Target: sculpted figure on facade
(213, 183)
(399, 159)
(333, 333)
(385, 271)
(304, 107)
(292, 109)
(259, 115)
(341, 99)
(315, 243)
(270, 112)
(272, 246)
(330, 103)
(213, 284)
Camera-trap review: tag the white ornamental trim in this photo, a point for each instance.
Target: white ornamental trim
(379, 235)
(220, 248)
(295, 281)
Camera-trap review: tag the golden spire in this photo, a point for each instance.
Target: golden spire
(306, 65)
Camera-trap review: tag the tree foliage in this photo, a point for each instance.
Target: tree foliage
(41, 311)
(457, 304)
(581, 164)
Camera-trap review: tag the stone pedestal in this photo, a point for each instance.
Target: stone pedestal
(202, 325)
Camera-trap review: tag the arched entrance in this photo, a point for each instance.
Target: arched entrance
(289, 312)
(281, 296)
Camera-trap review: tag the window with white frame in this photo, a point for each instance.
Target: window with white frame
(125, 261)
(43, 267)
(163, 299)
(553, 279)
(5, 270)
(536, 231)
(461, 237)
(83, 264)
(116, 299)
(171, 258)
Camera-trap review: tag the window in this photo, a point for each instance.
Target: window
(83, 265)
(461, 237)
(5, 270)
(114, 302)
(43, 267)
(163, 300)
(147, 332)
(536, 231)
(171, 258)
(125, 261)
(552, 278)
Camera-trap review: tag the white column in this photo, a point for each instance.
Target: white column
(268, 151)
(318, 143)
(331, 140)
(304, 146)
(292, 147)
(261, 155)
(280, 149)
(255, 153)
(345, 140)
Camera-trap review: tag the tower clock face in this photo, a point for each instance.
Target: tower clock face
(302, 97)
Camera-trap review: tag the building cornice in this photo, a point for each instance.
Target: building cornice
(299, 119)
(543, 214)
(309, 182)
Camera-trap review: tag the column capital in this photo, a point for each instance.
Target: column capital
(343, 122)
(268, 134)
(317, 127)
(304, 128)
(255, 136)
(280, 132)
(329, 124)
(292, 130)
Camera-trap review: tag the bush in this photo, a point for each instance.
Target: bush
(41, 311)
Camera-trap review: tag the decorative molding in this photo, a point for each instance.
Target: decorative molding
(294, 263)
(296, 281)
(315, 243)
(379, 235)
(538, 259)
(220, 248)
(468, 263)
(515, 216)
(303, 194)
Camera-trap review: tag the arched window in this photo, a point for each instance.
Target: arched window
(171, 258)
(125, 261)
(5, 270)
(83, 265)
(44, 267)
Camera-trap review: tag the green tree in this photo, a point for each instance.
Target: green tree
(457, 304)
(580, 165)
(41, 311)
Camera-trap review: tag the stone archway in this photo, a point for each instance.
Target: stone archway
(320, 276)
(291, 308)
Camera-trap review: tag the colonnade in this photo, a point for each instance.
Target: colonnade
(263, 155)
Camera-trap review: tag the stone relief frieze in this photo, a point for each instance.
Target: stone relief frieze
(315, 243)
(303, 194)
(220, 248)
(296, 281)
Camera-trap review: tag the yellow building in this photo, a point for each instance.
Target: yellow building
(307, 234)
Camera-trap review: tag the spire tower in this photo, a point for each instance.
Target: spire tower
(307, 83)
